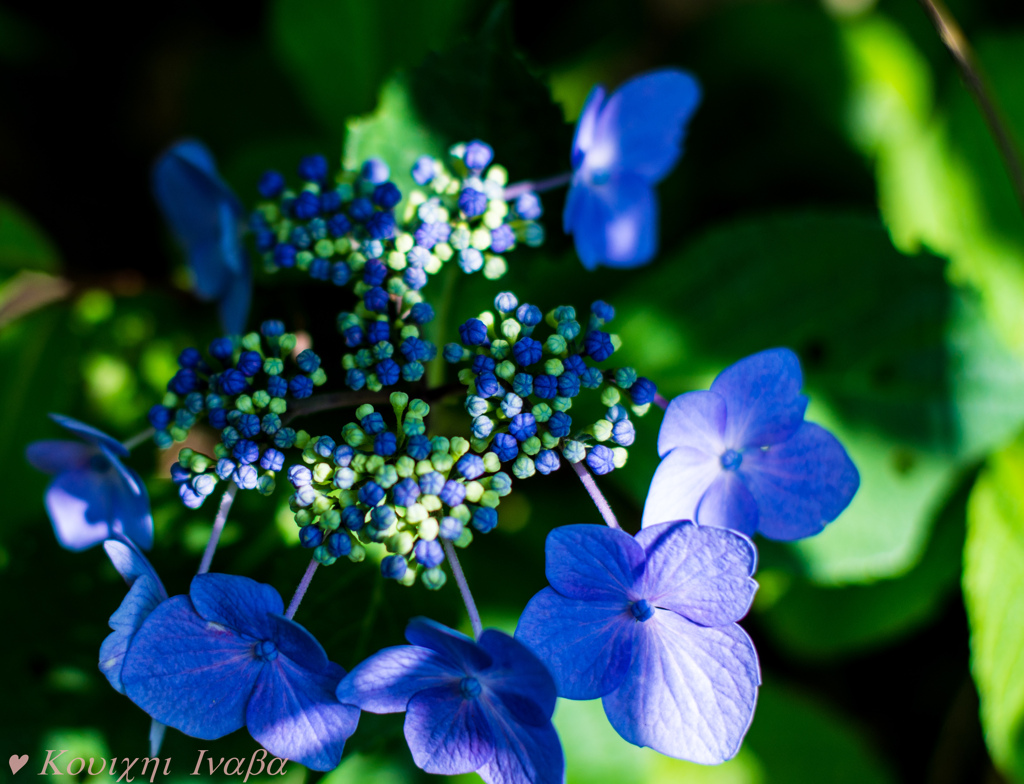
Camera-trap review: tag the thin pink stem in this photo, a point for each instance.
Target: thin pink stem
(536, 186)
(599, 500)
(218, 526)
(307, 578)
(660, 401)
(460, 580)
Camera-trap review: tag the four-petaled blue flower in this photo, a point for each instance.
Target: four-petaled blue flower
(649, 625)
(206, 217)
(741, 456)
(624, 146)
(224, 657)
(93, 496)
(480, 706)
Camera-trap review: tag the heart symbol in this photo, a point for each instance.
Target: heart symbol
(17, 763)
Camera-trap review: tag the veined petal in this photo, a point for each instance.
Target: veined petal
(729, 504)
(130, 563)
(241, 604)
(145, 594)
(587, 644)
(299, 645)
(801, 484)
(522, 752)
(678, 485)
(54, 457)
(518, 677)
(459, 649)
(690, 690)
(642, 124)
(189, 673)
(592, 562)
(386, 681)
(90, 434)
(762, 397)
(695, 420)
(294, 714)
(702, 573)
(446, 733)
(80, 507)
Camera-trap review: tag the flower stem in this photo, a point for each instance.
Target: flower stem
(137, 439)
(293, 605)
(955, 41)
(460, 579)
(536, 186)
(659, 401)
(218, 526)
(599, 500)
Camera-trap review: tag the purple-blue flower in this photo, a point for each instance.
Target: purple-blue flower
(481, 706)
(206, 217)
(741, 456)
(93, 496)
(649, 625)
(624, 146)
(225, 657)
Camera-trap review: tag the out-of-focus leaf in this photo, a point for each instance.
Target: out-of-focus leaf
(341, 51)
(23, 245)
(792, 739)
(394, 132)
(819, 622)
(994, 594)
(902, 368)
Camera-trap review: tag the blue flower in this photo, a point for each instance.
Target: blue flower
(206, 217)
(93, 496)
(623, 147)
(224, 657)
(648, 625)
(480, 706)
(741, 456)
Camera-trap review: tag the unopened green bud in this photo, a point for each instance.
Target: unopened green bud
(434, 579)
(405, 466)
(251, 342)
(490, 498)
(531, 445)
(322, 556)
(430, 502)
(474, 490)
(200, 463)
(331, 519)
(416, 513)
(459, 447)
(278, 406)
(287, 342)
(505, 370)
(185, 457)
(428, 529)
(322, 473)
(244, 404)
(303, 517)
(301, 439)
(602, 429)
(358, 553)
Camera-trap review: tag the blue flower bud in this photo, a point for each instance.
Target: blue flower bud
(300, 387)
(575, 363)
(602, 310)
(418, 447)
(506, 302)
(313, 168)
(432, 483)
(406, 492)
(339, 545)
(159, 416)
(471, 260)
(217, 417)
(484, 519)
(429, 553)
(505, 447)
(477, 156)
(511, 404)
(450, 528)
(285, 438)
(374, 272)
(559, 424)
(324, 446)
(265, 240)
(453, 352)
(355, 379)
(248, 425)
(385, 444)
(547, 461)
(284, 255)
(568, 384)
(470, 466)
(421, 313)
(394, 567)
(222, 349)
(272, 460)
(601, 459)
(341, 273)
(232, 382)
(453, 493)
(472, 202)
(388, 372)
(386, 195)
(381, 226)
(376, 300)
(271, 184)
(344, 478)
(424, 170)
(183, 382)
(339, 225)
(299, 476)
(307, 361)
(246, 451)
(245, 477)
(371, 494)
(528, 206)
(522, 384)
(502, 238)
(527, 351)
(375, 171)
(487, 385)
(522, 427)
(414, 278)
(598, 345)
(277, 386)
(482, 427)
(311, 536)
(353, 517)
(591, 378)
(180, 474)
(305, 206)
(482, 363)
(190, 497)
(642, 392)
(382, 517)
(545, 386)
(623, 433)
(190, 358)
(224, 468)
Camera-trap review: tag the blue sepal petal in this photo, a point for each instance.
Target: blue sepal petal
(386, 681)
(592, 562)
(447, 734)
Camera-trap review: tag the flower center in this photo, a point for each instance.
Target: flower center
(266, 651)
(642, 610)
(470, 688)
(731, 460)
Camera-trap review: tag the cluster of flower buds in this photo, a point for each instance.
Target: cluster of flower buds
(246, 400)
(521, 389)
(386, 350)
(348, 230)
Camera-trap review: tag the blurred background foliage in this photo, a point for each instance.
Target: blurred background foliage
(840, 195)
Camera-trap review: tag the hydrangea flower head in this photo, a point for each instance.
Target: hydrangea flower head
(625, 144)
(649, 625)
(481, 706)
(741, 456)
(93, 496)
(206, 217)
(224, 657)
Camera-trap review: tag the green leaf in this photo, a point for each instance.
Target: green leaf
(901, 367)
(793, 739)
(23, 245)
(994, 595)
(341, 51)
(395, 133)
